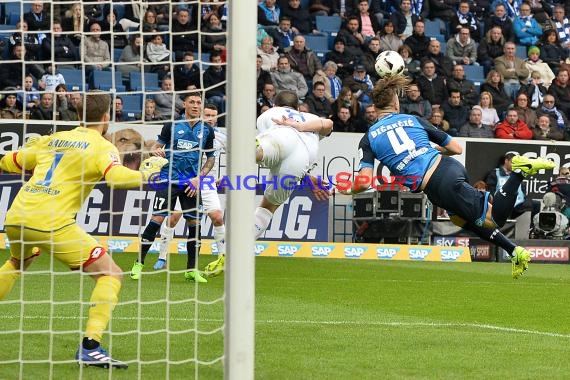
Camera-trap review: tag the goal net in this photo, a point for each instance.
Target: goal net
(147, 55)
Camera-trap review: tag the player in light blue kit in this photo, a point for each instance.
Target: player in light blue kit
(402, 143)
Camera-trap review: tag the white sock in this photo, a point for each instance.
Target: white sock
(262, 218)
(165, 239)
(220, 237)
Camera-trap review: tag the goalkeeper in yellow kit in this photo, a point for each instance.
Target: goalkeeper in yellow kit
(66, 166)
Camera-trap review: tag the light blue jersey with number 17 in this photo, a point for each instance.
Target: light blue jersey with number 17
(402, 143)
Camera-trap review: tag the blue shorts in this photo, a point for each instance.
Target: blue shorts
(449, 188)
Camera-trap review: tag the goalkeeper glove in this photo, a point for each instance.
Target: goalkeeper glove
(150, 168)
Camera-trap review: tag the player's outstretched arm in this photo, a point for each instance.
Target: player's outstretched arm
(24, 159)
(451, 149)
(119, 176)
(321, 126)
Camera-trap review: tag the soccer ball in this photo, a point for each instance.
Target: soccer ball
(389, 63)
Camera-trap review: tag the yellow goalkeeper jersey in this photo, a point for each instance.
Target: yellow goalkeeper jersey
(66, 166)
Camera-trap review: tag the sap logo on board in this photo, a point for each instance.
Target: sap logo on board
(287, 250)
(450, 254)
(116, 245)
(180, 248)
(452, 241)
(387, 253)
(354, 252)
(549, 253)
(260, 248)
(419, 253)
(321, 250)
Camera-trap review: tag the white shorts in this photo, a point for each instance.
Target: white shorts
(287, 158)
(210, 200)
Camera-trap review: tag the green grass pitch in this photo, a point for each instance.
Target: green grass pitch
(315, 319)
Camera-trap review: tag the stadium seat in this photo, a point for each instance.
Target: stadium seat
(74, 79)
(132, 103)
(328, 24)
(432, 28)
(150, 81)
(103, 80)
(119, 10)
(474, 73)
(521, 52)
(117, 54)
(317, 43)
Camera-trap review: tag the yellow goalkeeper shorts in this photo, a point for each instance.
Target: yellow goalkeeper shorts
(71, 245)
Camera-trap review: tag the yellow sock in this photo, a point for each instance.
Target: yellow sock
(8, 276)
(103, 300)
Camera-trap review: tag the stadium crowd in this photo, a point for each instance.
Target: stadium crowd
(472, 61)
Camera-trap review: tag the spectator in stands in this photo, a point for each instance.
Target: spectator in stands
(38, 19)
(51, 79)
(353, 39)
(342, 57)
(488, 112)
(344, 122)
(333, 84)
(267, 97)
(443, 64)
(462, 49)
(59, 45)
(560, 89)
(76, 22)
(466, 87)
(65, 109)
(369, 24)
(287, 79)
(348, 100)
(263, 76)
(119, 116)
(562, 26)
(130, 59)
(418, 41)
(12, 73)
(45, 110)
(184, 36)
(456, 113)
(360, 84)
(544, 131)
(301, 20)
(149, 23)
(168, 104)
(513, 128)
(412, 66)
(557, 117)
(414, 103)
(158, 55)
(214, 37)
(370, 115)
(442, 9)
(30, 97)
(526, 28)
(464, 18)
(389, 40)
(114, 31)
(535, 64)
(535, 90)
(214, 78)
(268, 14)
(474, 127)
(187, 75)
(512, 68)
(495, 87)
(491, 47)
(526, 113)
(317, 102)
(268, 54)
(404, 20)
(74, 100)
(303, 60)
(551, 51)
(96, 52)
(324, 8)
(438, 121)
(30, 41)
(10, 108)
(500, 19)
(369, 57)
(150, 112)
(432, 86)
(283, 35)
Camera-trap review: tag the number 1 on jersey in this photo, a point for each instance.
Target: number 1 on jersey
(47, 180)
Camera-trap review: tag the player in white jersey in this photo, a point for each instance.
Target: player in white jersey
(288, 144)
(210, 204)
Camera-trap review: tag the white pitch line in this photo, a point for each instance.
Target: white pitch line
(479, 326)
